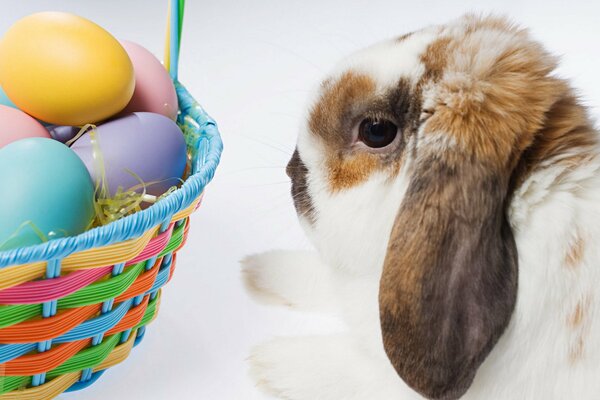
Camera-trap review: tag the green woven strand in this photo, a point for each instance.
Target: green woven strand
(87, 358)
(95, 293)
(10, 315)
(103, 290)
(10, 383)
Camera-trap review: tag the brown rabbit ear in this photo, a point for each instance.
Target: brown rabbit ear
(449, 284)
(449, 281)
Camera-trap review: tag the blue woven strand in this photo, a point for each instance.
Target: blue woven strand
(118, 269)
(125, 336)
(140, 335)
(95, 326)
(11, 351)
(161, 278)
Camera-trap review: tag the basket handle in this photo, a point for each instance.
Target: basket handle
(173, 41)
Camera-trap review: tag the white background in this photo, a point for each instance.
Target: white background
(251, 64)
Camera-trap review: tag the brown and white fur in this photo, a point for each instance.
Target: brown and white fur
(465, 256)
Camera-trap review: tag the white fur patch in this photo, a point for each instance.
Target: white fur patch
(391, 60)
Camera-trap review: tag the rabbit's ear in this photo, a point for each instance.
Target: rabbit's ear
(449, 284)
(449, 281)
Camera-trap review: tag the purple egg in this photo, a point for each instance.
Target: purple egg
(148, 145)
(62, 133)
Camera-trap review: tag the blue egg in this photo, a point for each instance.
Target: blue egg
(45, 192)
(4, 100)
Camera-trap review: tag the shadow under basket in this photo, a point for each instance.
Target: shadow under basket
(73, 307)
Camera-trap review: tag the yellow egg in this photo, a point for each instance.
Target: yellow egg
(64, 69)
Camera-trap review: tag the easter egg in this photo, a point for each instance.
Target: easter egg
(4, 100)
(64, 69)
(63, 133)
(142, 145)
(16, 125)
(154, 90)
(46, 191)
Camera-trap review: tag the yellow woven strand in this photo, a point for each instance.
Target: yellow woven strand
(93, 258)
(12, 276)
(108, 255)
(188, 211)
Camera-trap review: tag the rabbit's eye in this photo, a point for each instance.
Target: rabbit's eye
(377, 133)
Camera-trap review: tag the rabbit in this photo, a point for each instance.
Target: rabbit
(449, 182)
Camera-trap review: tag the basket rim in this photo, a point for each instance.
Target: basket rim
(135, 225)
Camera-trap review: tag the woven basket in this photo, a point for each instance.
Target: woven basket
(73, 307)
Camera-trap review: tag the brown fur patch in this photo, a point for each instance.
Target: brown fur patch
(567, 136)
(575, 253)
(327, 118)
(435, 59)
(347, 172)
(493, 107)
(343, 104)
(576, 351)
(578, 321)
(577, 315)
(495, 79)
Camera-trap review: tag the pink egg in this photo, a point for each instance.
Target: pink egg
(16, 125)
(154, 90)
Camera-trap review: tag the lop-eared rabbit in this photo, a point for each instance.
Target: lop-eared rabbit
(449, 181)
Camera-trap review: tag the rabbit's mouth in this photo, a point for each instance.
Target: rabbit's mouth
(297, 171)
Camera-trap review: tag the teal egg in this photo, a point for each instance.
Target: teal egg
(45, 192)
(4, 100)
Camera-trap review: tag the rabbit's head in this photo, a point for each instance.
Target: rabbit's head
(410, 154)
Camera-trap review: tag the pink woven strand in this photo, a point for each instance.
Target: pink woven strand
(155, 246)
(51, 289)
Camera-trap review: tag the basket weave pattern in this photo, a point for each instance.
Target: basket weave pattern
(73, 307)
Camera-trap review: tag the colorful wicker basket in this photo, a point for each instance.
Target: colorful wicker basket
(73, 307)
